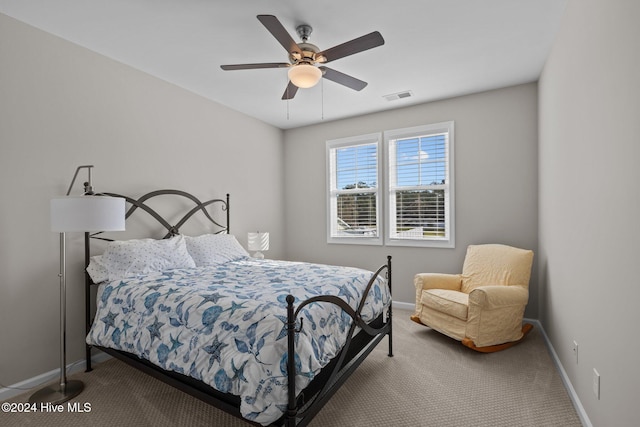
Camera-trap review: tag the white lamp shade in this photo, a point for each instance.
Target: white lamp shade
(304, 75)
(87, 213)
(258, 241)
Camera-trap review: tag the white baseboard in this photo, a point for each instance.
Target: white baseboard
(47, 377)
(582, 414)
(403, 305)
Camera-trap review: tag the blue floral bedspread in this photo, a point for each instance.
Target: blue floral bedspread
(225, 325)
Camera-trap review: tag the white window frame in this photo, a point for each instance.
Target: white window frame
(332, 192)
(389, 218)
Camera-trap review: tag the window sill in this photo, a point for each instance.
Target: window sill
(446, 244)
(370, 241)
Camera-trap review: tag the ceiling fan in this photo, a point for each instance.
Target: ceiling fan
(304, 57)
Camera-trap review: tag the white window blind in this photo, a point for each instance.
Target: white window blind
(419, 185)
(354, 194)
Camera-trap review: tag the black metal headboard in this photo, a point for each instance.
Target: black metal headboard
(172, 228)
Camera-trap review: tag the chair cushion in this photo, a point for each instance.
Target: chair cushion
(495, 265)
(453, 303)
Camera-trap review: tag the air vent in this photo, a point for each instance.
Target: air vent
(399, 95)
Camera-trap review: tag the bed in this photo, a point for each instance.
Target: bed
(268, 341)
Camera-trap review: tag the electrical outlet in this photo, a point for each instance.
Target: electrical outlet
(596, 383)
(575, 350)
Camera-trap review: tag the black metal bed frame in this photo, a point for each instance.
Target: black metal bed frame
(362, 337)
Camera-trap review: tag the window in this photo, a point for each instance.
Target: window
(414, 194)
(419, 186)
(353, 170)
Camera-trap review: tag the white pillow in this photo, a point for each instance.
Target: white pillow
(134, 257)
(213, 249)
(96, 269)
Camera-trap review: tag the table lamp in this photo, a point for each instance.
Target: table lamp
(258, 242)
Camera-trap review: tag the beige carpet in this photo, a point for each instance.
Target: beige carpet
(431, 381)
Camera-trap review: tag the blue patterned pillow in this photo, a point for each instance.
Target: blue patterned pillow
(214, 249)
(129, 258)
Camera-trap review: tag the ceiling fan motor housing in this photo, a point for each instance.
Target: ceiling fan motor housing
(308, 54)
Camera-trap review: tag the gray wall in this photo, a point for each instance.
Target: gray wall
(590, 203)
(62, 106)
(495, 184)
(573, 198)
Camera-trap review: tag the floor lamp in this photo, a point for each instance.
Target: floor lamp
(71, 214)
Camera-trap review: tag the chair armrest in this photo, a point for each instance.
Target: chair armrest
(424, 281)
(492, 297)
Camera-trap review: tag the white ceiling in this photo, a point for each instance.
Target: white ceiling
(434, 48)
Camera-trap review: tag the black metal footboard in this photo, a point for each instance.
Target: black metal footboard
(300, 412)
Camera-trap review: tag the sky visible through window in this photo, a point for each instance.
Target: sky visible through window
(421, 161)
(357, 165)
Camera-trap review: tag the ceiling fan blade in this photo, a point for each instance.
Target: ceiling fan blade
(360, 44)
(290, 91)
(280, 33)
(342, 78)
(254, 66)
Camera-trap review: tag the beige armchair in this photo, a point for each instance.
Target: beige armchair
(482, 307)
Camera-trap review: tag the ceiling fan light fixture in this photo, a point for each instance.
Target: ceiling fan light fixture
(304, 75)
